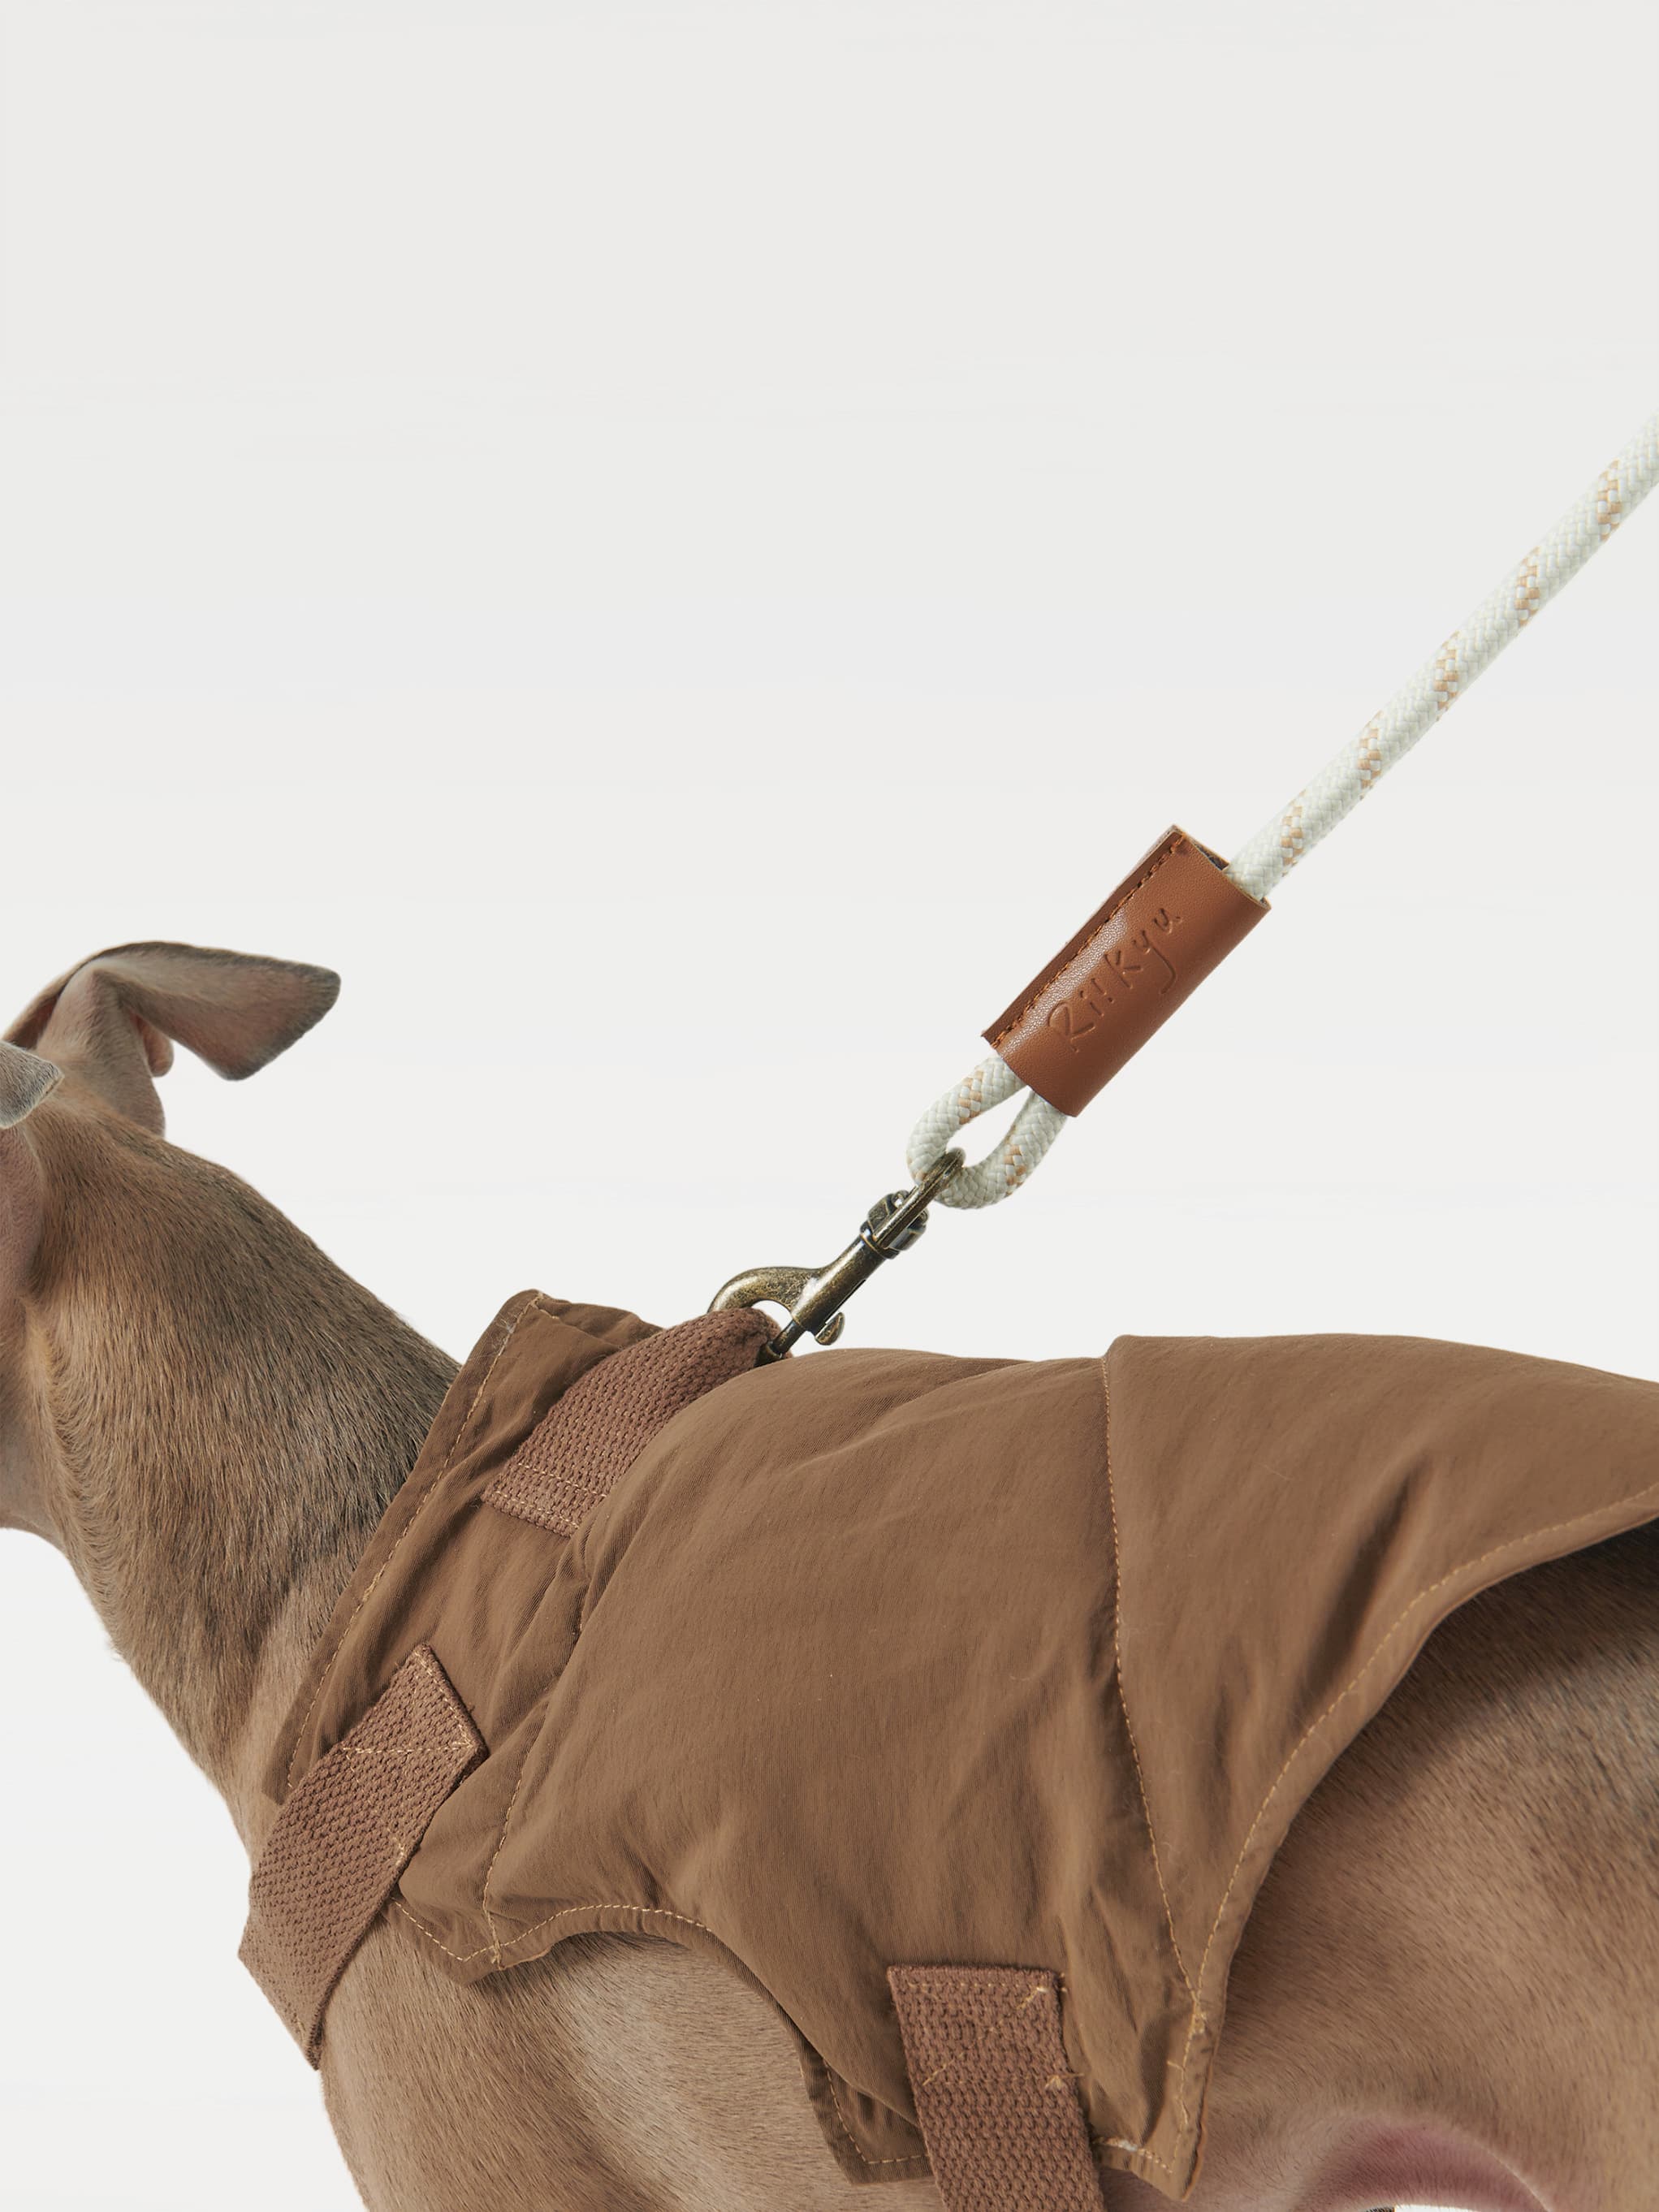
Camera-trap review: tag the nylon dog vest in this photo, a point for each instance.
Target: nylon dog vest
(959, 1704)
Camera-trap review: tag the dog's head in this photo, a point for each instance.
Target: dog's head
(81, 1144)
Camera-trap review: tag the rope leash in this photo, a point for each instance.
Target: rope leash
(1287, 837)
(1172, 920)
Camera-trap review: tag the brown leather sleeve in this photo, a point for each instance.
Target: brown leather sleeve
(1173, 918)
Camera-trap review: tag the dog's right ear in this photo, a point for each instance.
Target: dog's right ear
(112, 1022)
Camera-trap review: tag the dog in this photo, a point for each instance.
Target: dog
(1448, 1991)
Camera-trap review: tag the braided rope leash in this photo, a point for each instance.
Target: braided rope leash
(1070, 994)
(1172, 919)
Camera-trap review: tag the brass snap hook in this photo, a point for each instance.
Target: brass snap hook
(814, 1298)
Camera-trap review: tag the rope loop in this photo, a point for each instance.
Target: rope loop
(1001, 1172)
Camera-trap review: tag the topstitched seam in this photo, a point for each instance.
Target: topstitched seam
(496, 1949)
(402, 1848)
(1514, 1543)
(998, 2025)
(967, 1977)
(566, 1912)
(1123, 1702)
(1174, 844)
(905, 2158)
(466, 1738)
(536, 1304)
(646, 1912)
(414, 1802)
(500, 1842)
(418, 1785)
(1123, 2142)
(507, 1822)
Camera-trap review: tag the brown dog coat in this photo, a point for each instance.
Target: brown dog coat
(959, 1704)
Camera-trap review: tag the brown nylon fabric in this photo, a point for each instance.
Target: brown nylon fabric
(998, 2108)
(883, 1658)
(343, 1837)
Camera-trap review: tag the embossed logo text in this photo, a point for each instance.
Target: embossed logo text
(1137, 965)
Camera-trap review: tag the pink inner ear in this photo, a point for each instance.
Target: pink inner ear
(91, 1034)
(158, 1048)
(114, 1019)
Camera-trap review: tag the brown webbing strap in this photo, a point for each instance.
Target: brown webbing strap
(997, 2104)
(349, 1829)
(345, 1835)
(594, 1433)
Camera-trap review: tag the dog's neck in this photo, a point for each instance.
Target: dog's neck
(223, 1415)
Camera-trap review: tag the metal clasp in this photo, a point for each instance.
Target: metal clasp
(814, 1298)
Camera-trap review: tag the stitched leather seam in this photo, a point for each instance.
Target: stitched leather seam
(537, 1305)
(1172, 844)
(1514, 1543)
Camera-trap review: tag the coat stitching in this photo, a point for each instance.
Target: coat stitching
(1514, 1543)
(536, 1305)
(1134, 1751)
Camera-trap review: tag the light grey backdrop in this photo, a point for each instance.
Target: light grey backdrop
(683, 548)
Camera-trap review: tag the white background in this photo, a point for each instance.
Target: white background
(683, 548)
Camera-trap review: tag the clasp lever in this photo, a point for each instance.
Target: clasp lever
(815, 1299)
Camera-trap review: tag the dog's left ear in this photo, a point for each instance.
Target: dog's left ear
(25, 1081)
(113, 1020)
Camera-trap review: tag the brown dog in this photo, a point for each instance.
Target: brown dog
(1450, 1990)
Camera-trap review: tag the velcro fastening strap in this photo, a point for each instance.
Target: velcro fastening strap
(1173, 919)
(598, 1428)
(345, 1835)
(998, 2106)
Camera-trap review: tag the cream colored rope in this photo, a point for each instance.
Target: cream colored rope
(1267, 858)
(1471, 649)
(1000, 1173)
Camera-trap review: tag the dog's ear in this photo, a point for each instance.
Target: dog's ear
(113, 1020)
(25, 1079)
